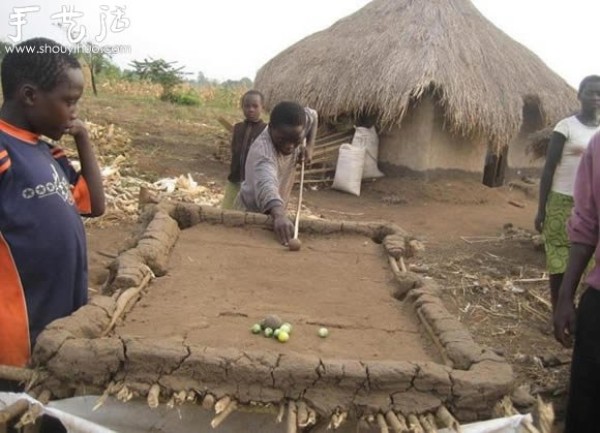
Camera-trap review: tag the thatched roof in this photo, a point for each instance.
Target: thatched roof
(391, 52)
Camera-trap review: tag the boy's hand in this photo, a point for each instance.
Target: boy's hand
(564, 323)
(77, 129)
(283, 228)
(304, 155)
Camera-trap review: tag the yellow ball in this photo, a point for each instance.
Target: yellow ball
(283, 336)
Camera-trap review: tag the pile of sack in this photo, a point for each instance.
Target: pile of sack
(357, 161)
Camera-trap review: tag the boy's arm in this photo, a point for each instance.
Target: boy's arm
(583, 233)
(312, 136)
(89, 168)
(265, 185)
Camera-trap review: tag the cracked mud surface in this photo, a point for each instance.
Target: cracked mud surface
(222, 280)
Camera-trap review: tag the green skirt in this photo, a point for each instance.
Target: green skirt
(558, 211)
(231, 192)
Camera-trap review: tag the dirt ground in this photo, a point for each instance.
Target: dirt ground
(480, 279)
(223, 280)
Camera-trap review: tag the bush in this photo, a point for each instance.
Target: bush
(182, 97)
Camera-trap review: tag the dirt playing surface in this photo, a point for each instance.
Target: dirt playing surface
(439, 212)
(223, 280)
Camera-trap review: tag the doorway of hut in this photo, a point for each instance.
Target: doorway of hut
(494, 169)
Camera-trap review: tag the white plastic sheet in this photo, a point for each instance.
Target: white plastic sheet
(77, 416)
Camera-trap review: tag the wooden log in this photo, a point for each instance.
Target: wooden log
(312, 417)
(337, 419)
(17, 374)
(124, 394)
(302, 414)
(446, 419)
(394, 422)
(14, 410)
(394, 265)
(153, 396)
(403, 265)
(44, 396)
(281, 413)
(335, 136)
(208, 402)
(431, 418)
(222, 404)
(403, 421)
(124, 300)
(447, 361)
(111, 389)
(414, 424)
(427, 427)
(292, 419)
(318, 170)
(383, 428)
(222, 416)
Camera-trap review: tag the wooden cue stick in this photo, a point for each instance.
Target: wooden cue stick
(297, 222)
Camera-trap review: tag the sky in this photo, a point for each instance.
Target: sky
(231, 39)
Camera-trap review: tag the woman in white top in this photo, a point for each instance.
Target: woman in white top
(567, 144)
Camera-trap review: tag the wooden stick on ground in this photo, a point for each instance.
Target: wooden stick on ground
(434, 338)
(394, 265)
(302, 414)
(312, 417)
(222, 404)
(14, 410)
(402, 265)
(337, 419)
(16, 374)
(292, 419)
(281, 413)
(427, 427)
(395, 423)
(35, 411)
(112, 388)
(447, 420)
(153, 396)
(231, 406)
(414, 424)
(209, 402)
(123, 301)
(383, 428)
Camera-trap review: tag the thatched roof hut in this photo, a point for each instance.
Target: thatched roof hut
(392, 54)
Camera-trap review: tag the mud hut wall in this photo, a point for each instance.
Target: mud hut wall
(422, 145)
(519, 161)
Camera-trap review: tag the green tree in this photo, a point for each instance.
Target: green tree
(96, 60)
(159, 71)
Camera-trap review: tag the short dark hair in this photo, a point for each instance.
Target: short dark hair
(587, 80)
(288, 113)
(251, 93)
(39, 61)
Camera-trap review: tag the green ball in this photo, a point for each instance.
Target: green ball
(283, 336)
(286, 327)
(276, 332)
(256, 328)
(323, 332)
(268, 332)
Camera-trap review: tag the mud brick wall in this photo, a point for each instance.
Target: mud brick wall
(76, 356)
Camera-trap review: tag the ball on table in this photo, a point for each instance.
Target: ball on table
(294, 244)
